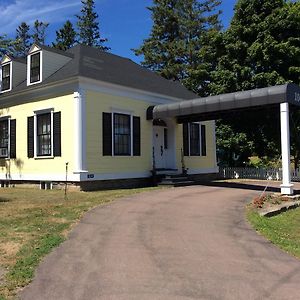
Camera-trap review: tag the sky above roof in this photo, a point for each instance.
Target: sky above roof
(125, 23)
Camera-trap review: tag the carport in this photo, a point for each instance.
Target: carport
(215, 107)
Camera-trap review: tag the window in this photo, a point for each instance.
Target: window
(122, 134)
(194, 139)
(35, 62)
(44, 134)
(6, 77)
(7, 138)
(4, 138)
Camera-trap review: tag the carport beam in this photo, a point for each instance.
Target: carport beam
(286, 186)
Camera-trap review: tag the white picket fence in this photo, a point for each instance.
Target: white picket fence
(256, 173)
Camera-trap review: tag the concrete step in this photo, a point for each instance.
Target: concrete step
(176, 183)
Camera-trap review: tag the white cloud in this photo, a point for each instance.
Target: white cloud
(52, 11)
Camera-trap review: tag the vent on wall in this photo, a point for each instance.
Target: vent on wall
(46, 185)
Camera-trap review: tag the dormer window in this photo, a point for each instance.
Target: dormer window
(6, 77)
(35, 67)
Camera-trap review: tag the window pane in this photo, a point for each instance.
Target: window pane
(3, 138)
(35, 67)
(122, 139)
(6, 77)
(44, 134)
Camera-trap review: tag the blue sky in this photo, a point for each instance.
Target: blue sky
(124, 22)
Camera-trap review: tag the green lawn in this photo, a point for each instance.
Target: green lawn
(33, 221)
(283, 230)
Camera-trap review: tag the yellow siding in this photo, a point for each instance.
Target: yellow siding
(97, 103)
(198, 162)
(25, 166)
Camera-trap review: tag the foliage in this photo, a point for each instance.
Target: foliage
(22, 42)
(88, 25)
(260, 48)
(282, 230)
(39, 32)
(177, 35)
(65, 37)
(6, 45)
(33, 222)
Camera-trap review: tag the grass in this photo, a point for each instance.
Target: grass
(282, 230)
(33, 222)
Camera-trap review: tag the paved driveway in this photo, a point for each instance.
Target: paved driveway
(183, 243)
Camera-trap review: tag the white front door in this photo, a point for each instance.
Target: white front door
(159, 147)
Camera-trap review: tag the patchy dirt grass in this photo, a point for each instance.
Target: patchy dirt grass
(33, 222)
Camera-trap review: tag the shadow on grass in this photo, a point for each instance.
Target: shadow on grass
(245, 186)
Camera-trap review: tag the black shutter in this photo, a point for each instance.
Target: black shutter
(12, 139)
(30, 137)
(203, 140)
(186, 144)
(57, 134)
(107, 134)
(136, 136)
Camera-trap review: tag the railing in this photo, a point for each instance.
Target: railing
(256, 173)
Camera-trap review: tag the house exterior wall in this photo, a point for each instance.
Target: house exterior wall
(111, 167)
(199, 164)
(118, 167)
(52, 169)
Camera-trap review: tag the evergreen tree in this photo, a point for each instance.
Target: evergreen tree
(179, 27)
(65, 37)
(260, 48)
(88, 26)
(22, 43)
(39, 32)
(6, 45)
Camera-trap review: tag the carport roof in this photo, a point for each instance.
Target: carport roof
(213, 107)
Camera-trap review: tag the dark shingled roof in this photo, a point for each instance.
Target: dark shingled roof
(93, 63)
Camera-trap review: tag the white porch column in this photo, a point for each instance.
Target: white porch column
(286, 186)
(79, 132)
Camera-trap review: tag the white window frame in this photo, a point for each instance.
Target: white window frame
(10, 75)
(28, 67)
(41, 112)
(7, 118)
(200, 139)
(123, 112)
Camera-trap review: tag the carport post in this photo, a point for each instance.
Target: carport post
(286, 186)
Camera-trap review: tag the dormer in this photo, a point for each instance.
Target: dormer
(43, 61)
(13, 71)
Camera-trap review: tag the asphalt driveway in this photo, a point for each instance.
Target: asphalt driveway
(179, 243)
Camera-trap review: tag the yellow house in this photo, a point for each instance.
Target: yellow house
(81, 116)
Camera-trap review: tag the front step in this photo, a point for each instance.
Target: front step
(176, 180)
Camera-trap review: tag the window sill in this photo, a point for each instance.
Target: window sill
(44, 157)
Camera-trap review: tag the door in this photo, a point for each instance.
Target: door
(159, 144)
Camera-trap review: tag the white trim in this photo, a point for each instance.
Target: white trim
(41, 112)
(123, 112)
(214, 142)
(10, 77)
(126, 92)
(203, 171)
(28, 67)
(80, 131)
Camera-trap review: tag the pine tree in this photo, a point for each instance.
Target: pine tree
(65, 37)
(39, 32)
(176, 36)
(88, 26)
(22, 43)
(6, 45)
(260, 48)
